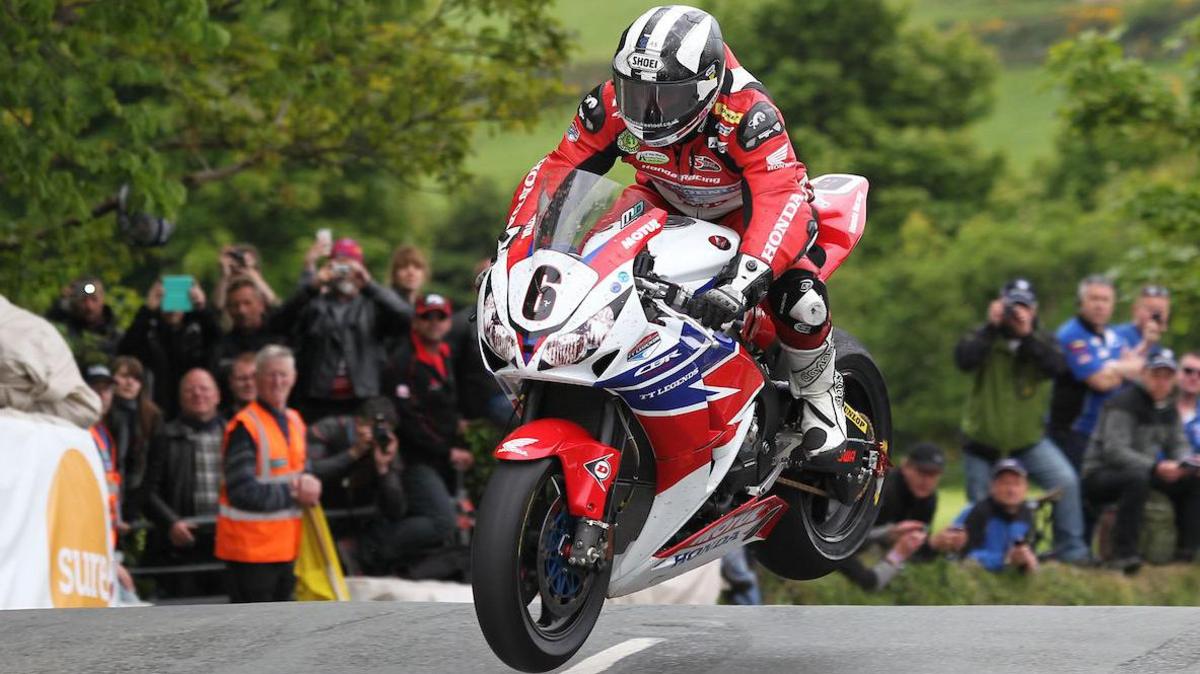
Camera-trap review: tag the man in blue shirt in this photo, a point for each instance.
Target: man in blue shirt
(1150, 313)
(999, 528)
(1098, 364)
(1187, 399)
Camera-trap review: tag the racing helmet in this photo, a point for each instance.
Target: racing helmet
(667, 72)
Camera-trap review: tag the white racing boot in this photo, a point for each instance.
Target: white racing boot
(817, 384)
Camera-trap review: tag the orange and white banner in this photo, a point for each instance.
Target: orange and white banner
(55, 549)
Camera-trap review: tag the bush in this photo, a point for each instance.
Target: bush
(951, 583)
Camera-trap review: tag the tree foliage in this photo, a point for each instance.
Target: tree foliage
(293, 96)
(864, 92)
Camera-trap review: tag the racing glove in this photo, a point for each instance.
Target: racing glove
(739, 286)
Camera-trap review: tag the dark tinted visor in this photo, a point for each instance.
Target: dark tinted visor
(657, 108)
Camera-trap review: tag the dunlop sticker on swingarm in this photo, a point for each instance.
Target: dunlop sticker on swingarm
(857, 419)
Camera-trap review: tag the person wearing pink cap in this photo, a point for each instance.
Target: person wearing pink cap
(339, 318)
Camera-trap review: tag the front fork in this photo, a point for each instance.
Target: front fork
(590, 468)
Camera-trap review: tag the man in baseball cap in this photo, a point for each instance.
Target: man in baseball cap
(902, 529)
(999, 528)
(1139, 445)
(433, 305)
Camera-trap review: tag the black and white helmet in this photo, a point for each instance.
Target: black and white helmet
(667, 72)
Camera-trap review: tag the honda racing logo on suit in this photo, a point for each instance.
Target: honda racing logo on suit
(775, 238)
(778, 159)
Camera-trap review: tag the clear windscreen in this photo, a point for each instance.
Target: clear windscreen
(582, 205)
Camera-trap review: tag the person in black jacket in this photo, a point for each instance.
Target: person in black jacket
(1139, 444)
(480, 396)
(251, 327)
(87, 322)
(906, 511)
(421, 383)
(171, 343)
(357, 466)
(183, 480)
(339, 320)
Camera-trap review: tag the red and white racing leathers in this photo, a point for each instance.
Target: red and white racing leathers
(738, 169)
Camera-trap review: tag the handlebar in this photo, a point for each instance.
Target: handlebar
(677, 298)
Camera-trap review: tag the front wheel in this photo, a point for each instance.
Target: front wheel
(535, 610)
(817, 532)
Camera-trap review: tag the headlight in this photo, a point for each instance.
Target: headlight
(498, 336)
(568, 348)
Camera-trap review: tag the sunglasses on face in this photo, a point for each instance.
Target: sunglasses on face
(432, 317)
(1190, 371)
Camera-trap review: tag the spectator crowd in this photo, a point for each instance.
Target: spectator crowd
(219, 417)
(1102, 417)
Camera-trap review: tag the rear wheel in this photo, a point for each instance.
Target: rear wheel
(535, 610)
(817, 531)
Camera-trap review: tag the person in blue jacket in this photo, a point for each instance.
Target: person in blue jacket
(999, 528)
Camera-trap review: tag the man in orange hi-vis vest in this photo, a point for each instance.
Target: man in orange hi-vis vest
(264, 487)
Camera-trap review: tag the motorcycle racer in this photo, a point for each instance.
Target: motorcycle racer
(707, 142)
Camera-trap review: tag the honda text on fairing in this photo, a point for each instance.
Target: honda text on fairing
(649, 445)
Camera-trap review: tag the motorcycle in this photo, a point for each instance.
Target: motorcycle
(649, 445)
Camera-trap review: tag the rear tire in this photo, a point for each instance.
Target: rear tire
(799, 548)
(512, 568)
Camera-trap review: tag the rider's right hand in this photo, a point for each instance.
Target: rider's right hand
(718, 306)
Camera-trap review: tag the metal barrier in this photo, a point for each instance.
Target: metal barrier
(209, 523)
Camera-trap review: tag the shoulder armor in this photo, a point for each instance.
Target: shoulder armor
(591, 110)
(760, 123)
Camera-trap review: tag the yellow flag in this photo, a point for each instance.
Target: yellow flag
(319, 574)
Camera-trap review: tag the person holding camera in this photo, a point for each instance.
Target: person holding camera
(999, 527)
(1139, 445)
(1151, 311)
(1012, 365)
(906, 513)
(339, 321)
(241, 261)
(170, 343)
(356, 458)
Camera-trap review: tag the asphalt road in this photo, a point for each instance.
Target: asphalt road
(402, 637)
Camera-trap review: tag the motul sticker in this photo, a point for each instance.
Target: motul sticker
(600, 470)
(644, 347)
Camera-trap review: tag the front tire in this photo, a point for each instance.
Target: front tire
(816, 533)
(534, 609)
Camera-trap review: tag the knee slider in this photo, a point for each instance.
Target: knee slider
(800, 298)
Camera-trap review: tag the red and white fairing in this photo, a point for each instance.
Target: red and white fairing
(560, 305)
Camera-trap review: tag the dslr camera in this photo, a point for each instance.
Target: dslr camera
(380, 431)
(340, 269)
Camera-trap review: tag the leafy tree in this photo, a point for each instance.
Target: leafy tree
(1128, 148)
(300, 100)
(863, 92)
